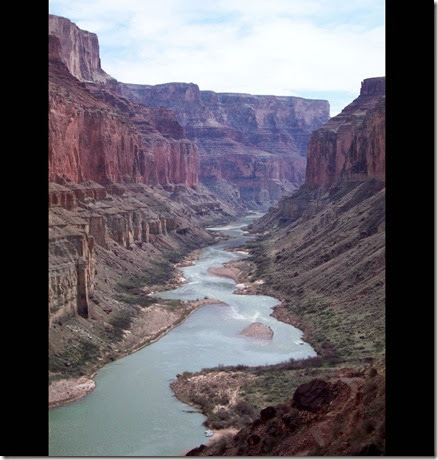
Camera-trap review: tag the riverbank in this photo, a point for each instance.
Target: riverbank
(151, 323)
(232, 396)
(242, 273)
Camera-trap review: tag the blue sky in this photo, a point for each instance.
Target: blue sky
(319, 49)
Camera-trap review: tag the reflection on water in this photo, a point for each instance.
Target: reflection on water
(132, 411)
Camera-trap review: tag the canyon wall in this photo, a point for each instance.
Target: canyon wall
(80, 50)
(252, 148)
(329, 236)
(351, 146)
(94, 134)
(124, 199)
(255, 143)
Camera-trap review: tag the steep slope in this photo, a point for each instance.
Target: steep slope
(125, 205)
(256, 144)
(322, 252)
(330, 235)
(97, 135)
(80, 50)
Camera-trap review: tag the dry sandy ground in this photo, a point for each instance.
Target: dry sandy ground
(226, 272)
(64, 391)
(217, 435)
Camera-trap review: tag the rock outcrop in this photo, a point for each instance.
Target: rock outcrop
(79, 50)
(255, 143)
(124, 202)
(339, 416)
(97, 135)
(351, 146)
(258, 331)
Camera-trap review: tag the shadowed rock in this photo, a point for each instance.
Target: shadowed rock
(312, 396)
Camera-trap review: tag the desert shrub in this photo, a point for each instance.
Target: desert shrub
(243, 408)
(72, 361)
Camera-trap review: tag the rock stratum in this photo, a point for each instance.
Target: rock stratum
(125, 204)
(351, 146)
(329, 236)
(329, 239)
(95, 134)
(252, 148)
(80, 50)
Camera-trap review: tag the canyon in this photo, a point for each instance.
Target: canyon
(252, 148)
(329, 239)
(125, 203)
(137, 174)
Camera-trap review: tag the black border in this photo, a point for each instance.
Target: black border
(410, 345)
(25, 236)
(410, 316)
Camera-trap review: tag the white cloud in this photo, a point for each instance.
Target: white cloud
(257, 46)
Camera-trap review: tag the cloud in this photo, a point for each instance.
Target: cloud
(284, 47)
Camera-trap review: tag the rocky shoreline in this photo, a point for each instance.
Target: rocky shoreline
(151, 324)
(238, 270)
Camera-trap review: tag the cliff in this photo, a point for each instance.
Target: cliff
(125, 204)
(94, 134)
(79, 50)
(252, 148)
(255, 143)
(351, 146)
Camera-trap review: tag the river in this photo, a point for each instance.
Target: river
(132, 411)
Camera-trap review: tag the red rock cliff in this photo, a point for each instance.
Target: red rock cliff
(256, 143)
(351, 146)
(79, 50)
(95, 134)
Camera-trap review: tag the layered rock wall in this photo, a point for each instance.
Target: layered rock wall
(351, 146)
(93, 140)
(79, 50)
(256, 143)
(71, 267)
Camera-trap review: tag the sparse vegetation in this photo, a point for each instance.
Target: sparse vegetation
(74, 360)
(253, 387)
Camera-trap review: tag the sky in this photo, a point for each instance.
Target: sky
(319, 49)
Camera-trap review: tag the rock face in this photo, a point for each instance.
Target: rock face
(97, 135)
(256, 143)
(351, 146)
(79, 50)
(312, 396)
(329, 240)
(329, 236)
(252, 147)
(124, 200)
(258, 331)
(83, 216)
